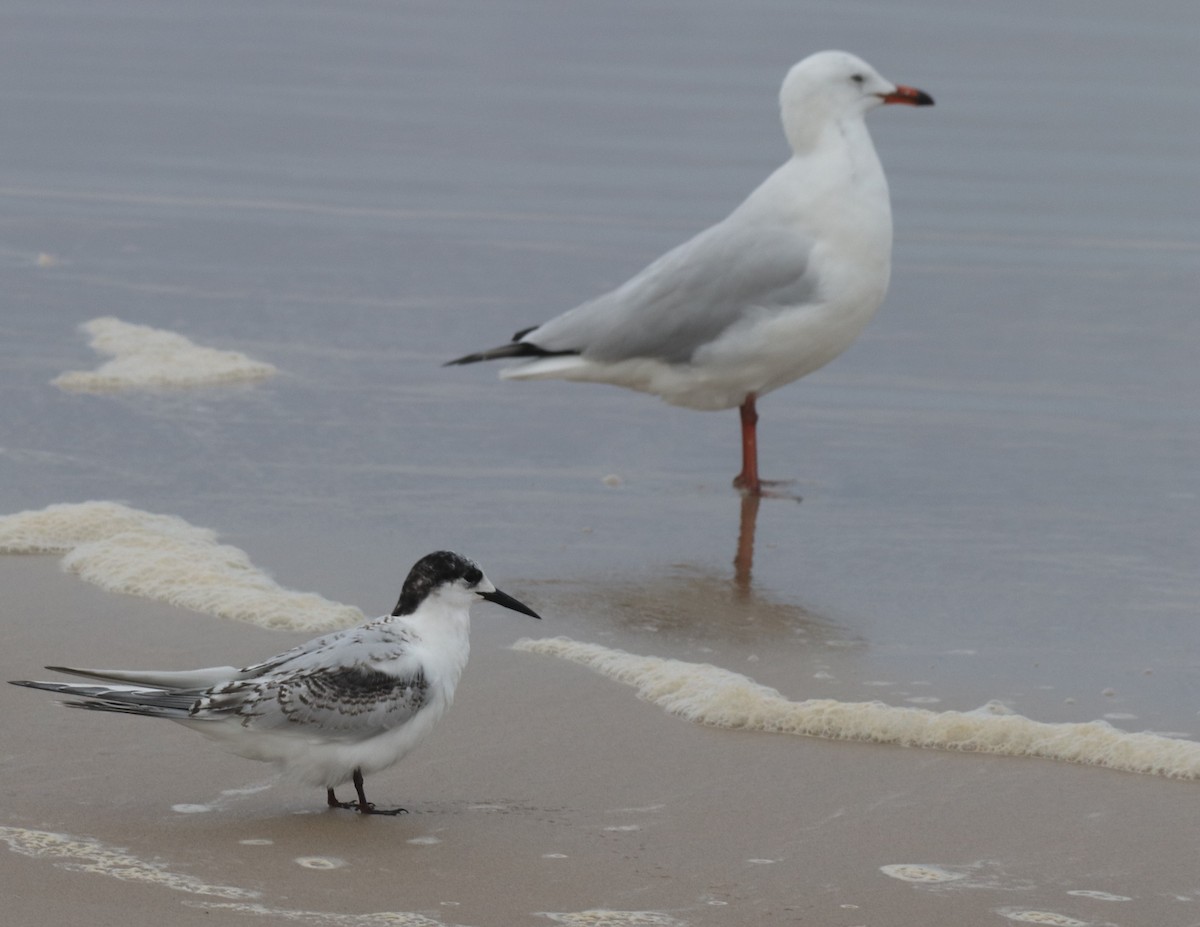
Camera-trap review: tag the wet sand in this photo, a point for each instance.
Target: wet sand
(546, 789)
(999, 482)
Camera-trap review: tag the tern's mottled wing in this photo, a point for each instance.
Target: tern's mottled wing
(314, 652)
(351, 684)
(690, 295)
(310, 653)
(349, 703)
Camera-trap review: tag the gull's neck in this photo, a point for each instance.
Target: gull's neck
(827, 131)
(840, 150)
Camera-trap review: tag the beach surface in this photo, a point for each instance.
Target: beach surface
(999, 488)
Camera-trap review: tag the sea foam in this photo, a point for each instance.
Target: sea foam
(162, 557)
(721, 698)
(83, 854)
(152, 357)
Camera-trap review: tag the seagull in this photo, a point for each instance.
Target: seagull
(348, 703)
(774, 291)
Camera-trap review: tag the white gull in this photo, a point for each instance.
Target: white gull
(777, 289)
(328, 711)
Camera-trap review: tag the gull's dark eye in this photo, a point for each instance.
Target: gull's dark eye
(858, 78)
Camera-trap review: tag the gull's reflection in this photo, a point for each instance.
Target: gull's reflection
(743, 560)
(692, 602)
(698, 603)
(689, 602)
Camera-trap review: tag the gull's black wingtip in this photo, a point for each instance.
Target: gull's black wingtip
(465, 359)
(505, 350)
(513, 349)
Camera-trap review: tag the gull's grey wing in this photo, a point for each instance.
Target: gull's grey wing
(690, 295)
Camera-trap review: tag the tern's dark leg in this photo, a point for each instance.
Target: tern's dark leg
(333, 802)
(364, 806)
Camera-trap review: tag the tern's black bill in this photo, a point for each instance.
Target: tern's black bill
(503, 598)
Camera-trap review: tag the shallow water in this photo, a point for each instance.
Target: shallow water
(999, 480)
(163, 558)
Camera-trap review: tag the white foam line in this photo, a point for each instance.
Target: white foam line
(602, 917)
(720, 698)
(81, 854)
(380, 919)
(152, 357)
(162, 557)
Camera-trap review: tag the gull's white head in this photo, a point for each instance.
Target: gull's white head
(832, 86)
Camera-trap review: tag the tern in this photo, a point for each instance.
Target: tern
(330, 710)
(776, 290)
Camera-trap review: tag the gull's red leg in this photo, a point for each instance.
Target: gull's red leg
(747, 481)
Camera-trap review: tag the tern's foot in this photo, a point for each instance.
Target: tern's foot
(371, 809)
(368, 808)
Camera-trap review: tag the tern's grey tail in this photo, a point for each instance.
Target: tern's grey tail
(135, 700)
(159, 679)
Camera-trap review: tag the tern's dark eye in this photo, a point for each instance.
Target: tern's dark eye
(473, 576)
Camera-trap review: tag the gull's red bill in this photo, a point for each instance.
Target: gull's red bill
(910, 96)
